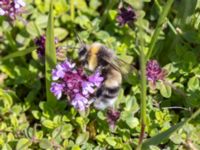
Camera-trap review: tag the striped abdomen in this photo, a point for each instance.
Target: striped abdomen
(107, 94)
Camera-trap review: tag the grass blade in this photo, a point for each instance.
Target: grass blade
(18, 53)
(165, 135)
(11, 40)
(72, 9)
(50, 54)
(156, 33)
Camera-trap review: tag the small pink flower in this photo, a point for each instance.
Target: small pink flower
(57, 89)
(112, 117)
(11, 8)
(154, 72)
(40, 43)
(126, 15)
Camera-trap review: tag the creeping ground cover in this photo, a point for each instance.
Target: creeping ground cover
(47, 95)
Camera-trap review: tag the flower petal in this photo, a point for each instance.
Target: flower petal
(2, 12)
(57, 89)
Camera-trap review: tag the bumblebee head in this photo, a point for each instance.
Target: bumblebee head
(88, 55)
(93, 56)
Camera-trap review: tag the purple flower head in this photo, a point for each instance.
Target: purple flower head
(112, 117)
(57, 89)
(87, 88)
(59, 71)
(40, 43)
(68, 65)
(154, 71)
(96, 79)
(19, 3)
(126, 15)
(80, 102)
(2, 12)
(78, 86)
(11, 8)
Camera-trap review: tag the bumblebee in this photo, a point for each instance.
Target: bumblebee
(98, 56)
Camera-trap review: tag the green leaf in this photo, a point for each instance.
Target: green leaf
(131, 104)
(14, 120)
(23, 144)
(48, 124)
(132, 122)
(154, 147)
(111, 141)
(134, 3)
(60, 33)
(101, 116)
(36, 114)
(45, 144)
(7, 99)
(33, 29)
(41, 21)
(50, 54)
(165, 135)
(94, 4)
(66, 131)
(101, 137)
(165, 90)
(102, 35)
(80, 4)
(57, 132)
(18, 53)
(127, 147)
(83, 21)
(82, 138)
(193, 83)
(162, 136)
(76, 147)
(176, 138)
(6, 147)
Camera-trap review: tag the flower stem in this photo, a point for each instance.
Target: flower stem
(143, 89)
(109, 5)
(156, 33)
(72, 9)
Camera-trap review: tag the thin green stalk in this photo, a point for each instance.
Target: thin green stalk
(18, 53)
(143, 90)
(72, 9)
(143, 87)
(37, 28)
(168, 21)
(50, 55)
(110, 4)
(171, 27)
(11, 40)
(156, 33)
(194, 115)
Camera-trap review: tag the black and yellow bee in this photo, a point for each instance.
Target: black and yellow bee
(98, 56)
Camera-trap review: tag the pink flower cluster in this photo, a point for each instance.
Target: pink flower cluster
(75, 84)
(11, 8)
(154, 72)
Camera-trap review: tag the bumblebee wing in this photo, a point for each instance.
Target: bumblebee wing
(125, 67)
(120, 65)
